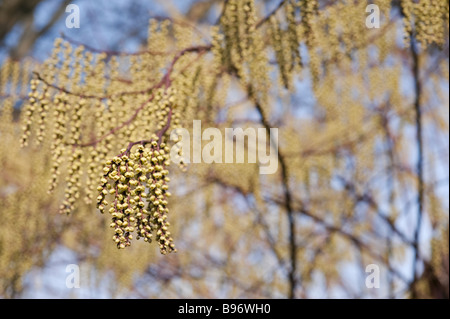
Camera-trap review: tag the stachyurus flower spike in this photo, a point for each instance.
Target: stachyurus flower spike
(137, 185)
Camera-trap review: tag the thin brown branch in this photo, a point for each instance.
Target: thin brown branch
(259, 216)
(331, 228)
(273, 12)
(165, 81)
(287, 204)
(91, 96)
(368, 199)
(182, 24)
(420, 159)
(123, 124)
(145, 142)
(113, 52)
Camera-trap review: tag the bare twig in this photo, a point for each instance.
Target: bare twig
(165, 81)
(287, 205)
(419, 167)
(273, 12)
(113, 52)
